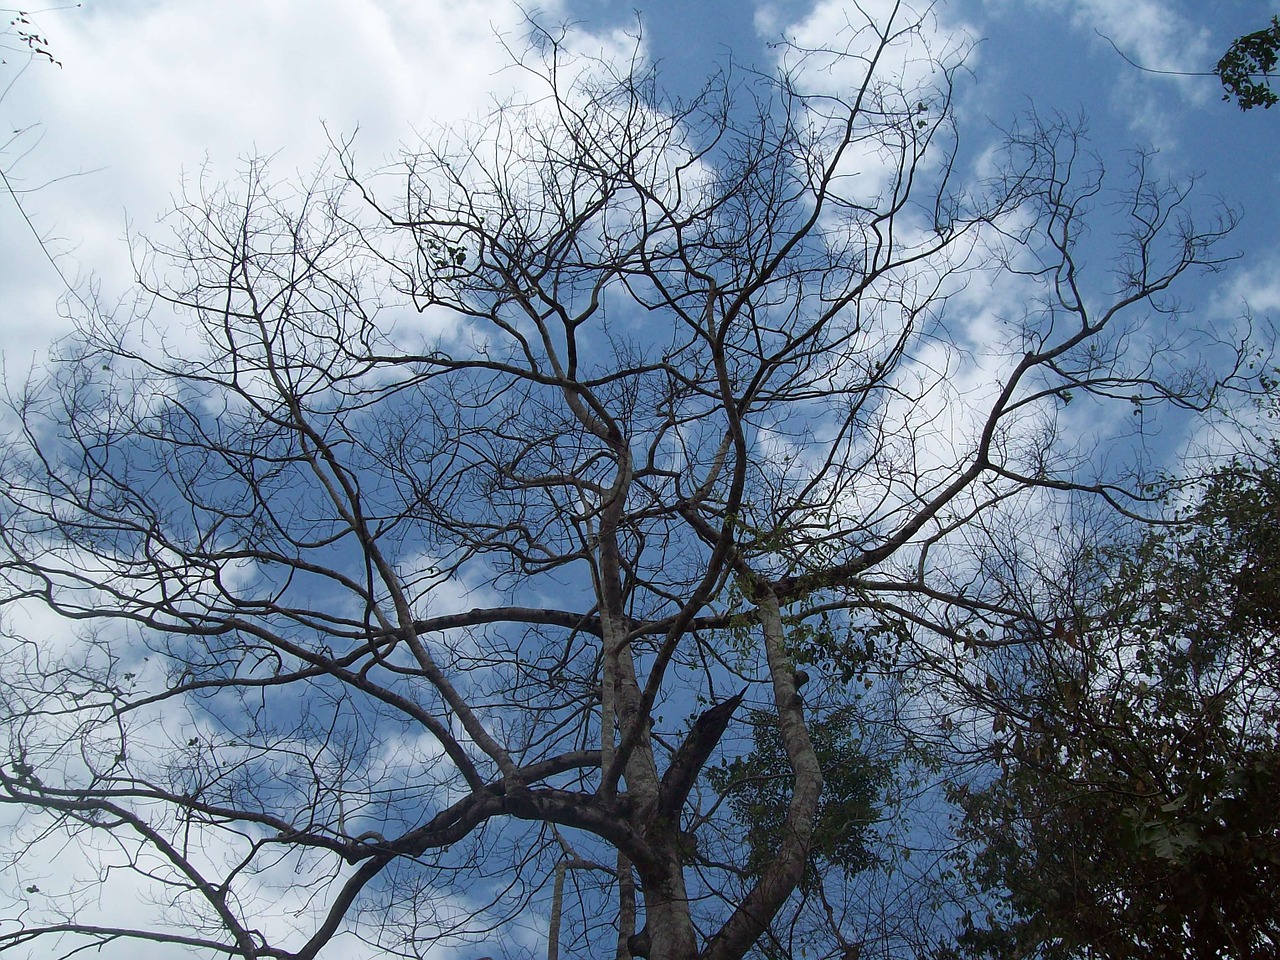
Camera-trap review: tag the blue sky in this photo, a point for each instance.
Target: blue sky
(152, 96)
(148, 93)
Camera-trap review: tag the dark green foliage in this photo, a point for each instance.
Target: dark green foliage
(1091, 870)
(1135, 811)
(1246, 68)
(758, 788)
(850, 653)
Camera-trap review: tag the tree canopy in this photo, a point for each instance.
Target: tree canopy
(587, 500)
(1136, 807)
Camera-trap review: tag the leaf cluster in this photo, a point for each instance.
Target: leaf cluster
(851, 652)
(1246, 68)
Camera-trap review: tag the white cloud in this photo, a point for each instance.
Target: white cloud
(1256, 290)
(917, 39)
(1153, 34)
(1162, 45)
(893, 56)
(149, 93)
(115, 879)
(55, 878)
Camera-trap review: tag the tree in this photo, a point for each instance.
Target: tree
(1135, 811)
(1246, 68)
(427, 542)
(758, 784)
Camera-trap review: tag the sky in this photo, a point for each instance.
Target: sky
(149, 98)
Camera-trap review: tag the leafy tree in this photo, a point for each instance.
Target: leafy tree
(758, 785)
(1246, 68)
(362, 580)
(1136, 812)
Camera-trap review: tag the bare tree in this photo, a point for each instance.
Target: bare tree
(427, 532)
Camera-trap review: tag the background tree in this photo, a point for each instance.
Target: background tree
(428, 533)
(1246, 68)
(1136, 808)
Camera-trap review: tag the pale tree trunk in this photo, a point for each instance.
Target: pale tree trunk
(668, 924)
(753, 915)
(557, 905)
(626, 907)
